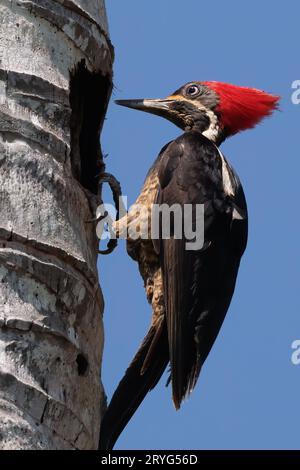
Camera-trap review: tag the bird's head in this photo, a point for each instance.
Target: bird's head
(217, 110)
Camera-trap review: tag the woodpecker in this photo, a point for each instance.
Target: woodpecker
(189, 290)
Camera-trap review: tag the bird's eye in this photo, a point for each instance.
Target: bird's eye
(192, 90)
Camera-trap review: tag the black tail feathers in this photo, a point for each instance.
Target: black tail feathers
(141, 376)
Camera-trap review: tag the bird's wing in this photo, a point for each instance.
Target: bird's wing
(198, 284)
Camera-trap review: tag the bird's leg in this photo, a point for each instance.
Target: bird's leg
(117, 193)
(116, 190)
(115, 187)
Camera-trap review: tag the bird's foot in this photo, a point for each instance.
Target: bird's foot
(115, 187)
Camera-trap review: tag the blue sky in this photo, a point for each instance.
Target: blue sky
(247, 396)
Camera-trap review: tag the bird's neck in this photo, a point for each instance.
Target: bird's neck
(214, 134)
(213, 131)
(210, 128)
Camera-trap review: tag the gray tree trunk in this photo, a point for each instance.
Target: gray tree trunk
(55, 82)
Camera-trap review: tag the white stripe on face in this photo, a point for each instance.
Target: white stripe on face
(212, 132)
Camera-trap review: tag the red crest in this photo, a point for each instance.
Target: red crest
(241, 108)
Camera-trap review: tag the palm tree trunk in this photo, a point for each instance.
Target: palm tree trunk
(55, 82)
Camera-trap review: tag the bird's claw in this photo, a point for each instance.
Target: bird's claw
(111, 245)
(117, 193)
(98, 218)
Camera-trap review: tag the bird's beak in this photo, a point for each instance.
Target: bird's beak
(161, 107)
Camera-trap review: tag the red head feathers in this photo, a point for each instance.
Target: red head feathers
(241, 108)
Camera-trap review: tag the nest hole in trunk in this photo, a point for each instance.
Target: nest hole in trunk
(89, 95)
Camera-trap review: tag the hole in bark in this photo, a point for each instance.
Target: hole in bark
(82, 364)
(89, 93)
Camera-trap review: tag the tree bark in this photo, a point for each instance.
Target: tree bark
(55, 82)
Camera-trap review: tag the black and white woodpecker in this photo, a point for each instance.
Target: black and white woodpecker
(189, 290)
